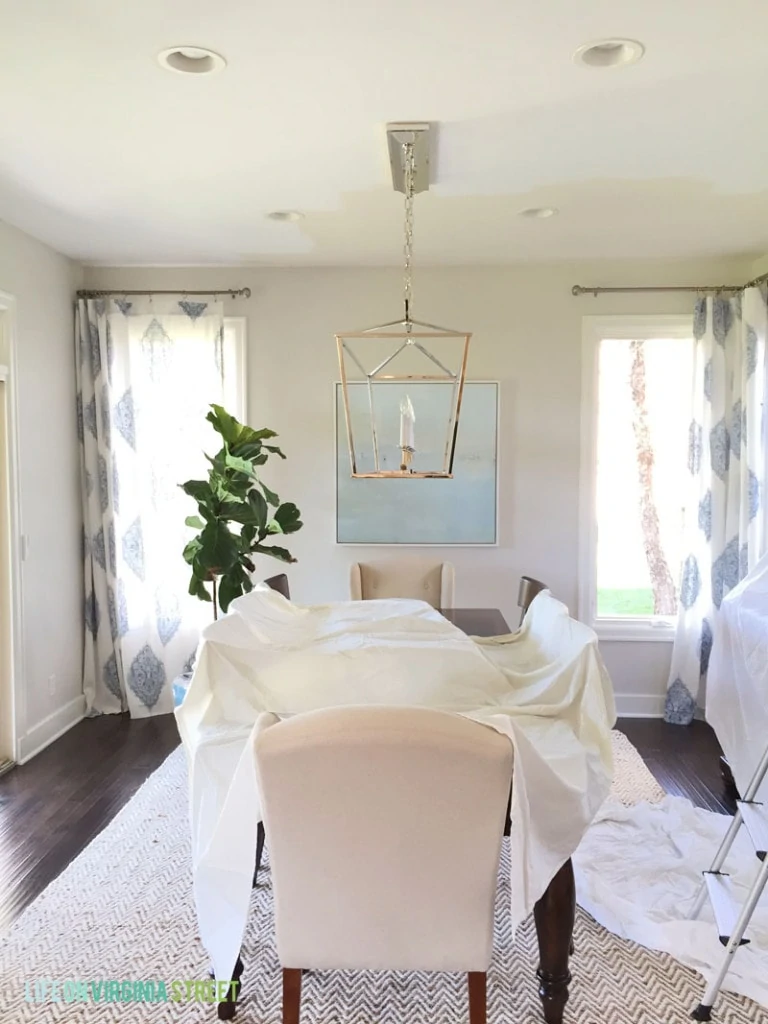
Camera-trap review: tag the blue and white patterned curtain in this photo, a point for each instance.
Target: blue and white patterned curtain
(146, 373)
(724, 519)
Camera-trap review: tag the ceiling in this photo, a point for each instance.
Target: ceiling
(111, 159)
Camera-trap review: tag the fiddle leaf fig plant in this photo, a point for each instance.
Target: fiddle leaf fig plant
(237, 514)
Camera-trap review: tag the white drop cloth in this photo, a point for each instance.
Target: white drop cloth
(545, 687)
(737, 681)
(638, 870)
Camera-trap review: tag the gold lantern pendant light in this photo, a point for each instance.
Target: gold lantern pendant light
(405, 373)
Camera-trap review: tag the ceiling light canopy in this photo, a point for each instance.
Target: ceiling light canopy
(191, 60)
(538, 212)
(609, 53)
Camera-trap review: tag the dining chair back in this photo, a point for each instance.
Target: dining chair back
(528, 589)
(280, 584)
(385, 828)
(433, 582)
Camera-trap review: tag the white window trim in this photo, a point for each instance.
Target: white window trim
(237, 326)
(594, 330)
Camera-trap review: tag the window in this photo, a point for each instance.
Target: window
(234, 367)
(173, 380)
(636, 410)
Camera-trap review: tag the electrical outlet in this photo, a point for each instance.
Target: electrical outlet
(52, 685)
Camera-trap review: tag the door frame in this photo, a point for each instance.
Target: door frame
(8, 370)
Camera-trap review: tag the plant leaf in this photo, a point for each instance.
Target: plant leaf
(236, 511)
(246, 451)
(271, 497)
(195, 522)
(238, 464)
(289, 517)
(230, 587)
(259, 507)
(200, 490)
(198, 589)
(224, 423)
(248, 435)
(275, 451)
(191, 549)
(218, 547)
(280, 553)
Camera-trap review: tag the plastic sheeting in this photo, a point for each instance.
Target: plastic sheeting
(737, 681)
(638, 870)
(545, 687)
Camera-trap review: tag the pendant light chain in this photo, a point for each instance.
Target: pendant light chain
(409, 168)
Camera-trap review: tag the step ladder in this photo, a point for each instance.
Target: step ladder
(733, 919)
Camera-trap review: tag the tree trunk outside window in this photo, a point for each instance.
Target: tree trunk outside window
(664, 592)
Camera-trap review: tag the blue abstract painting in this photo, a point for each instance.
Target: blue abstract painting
(462, 510)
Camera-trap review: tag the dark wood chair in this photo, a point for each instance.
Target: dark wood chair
(528, 589)
(280, 584)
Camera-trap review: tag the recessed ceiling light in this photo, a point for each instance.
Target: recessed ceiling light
(609, 53)
(286, 215)
(191, 60)
(538, 212)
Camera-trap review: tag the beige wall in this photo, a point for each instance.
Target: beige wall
(527, 334)
(43, 284)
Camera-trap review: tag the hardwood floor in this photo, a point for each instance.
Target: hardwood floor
(685, 760)
(51, 808)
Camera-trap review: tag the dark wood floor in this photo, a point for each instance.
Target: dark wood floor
(51, 808)
(685, 760)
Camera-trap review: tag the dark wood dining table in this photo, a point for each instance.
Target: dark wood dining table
(477, 621)
(555, 912)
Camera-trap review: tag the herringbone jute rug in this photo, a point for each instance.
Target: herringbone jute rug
(123, 910)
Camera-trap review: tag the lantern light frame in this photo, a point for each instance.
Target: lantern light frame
(409, 145)
(410, 331)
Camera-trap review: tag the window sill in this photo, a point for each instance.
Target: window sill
(637, 630)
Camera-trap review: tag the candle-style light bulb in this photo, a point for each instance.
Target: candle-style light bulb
(407, 435)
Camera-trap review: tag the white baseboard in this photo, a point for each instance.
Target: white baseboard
(640, 705)
(56, 724)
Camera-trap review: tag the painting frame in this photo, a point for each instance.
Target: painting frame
(341, 457)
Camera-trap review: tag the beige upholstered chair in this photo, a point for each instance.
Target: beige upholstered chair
(385, 831)
(432, 582)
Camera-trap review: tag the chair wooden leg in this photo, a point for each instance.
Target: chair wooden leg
(260, 835)
(554, 915)
(477, 1000)
(291, 995)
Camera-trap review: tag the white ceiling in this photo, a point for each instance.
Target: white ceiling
(111, 159)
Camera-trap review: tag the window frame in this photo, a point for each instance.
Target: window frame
(595, 330)
(238, 327)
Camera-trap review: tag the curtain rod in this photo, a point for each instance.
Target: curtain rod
(579, 289)
(97, 293)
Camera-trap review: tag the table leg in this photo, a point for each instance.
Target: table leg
(260, 835)
(554, 915)
(228, 1007)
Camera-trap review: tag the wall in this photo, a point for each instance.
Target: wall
(43, 284)
(527, 334)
